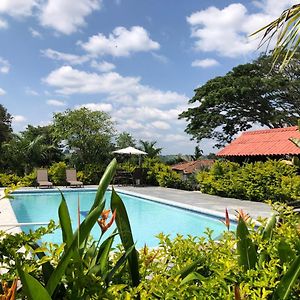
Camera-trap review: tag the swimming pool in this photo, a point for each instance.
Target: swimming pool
(147, 218)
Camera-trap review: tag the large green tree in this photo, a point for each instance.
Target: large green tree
(5, 125)
(150, 148)
(125, 139)
(31, 148)
(249, 94)
(88, 134)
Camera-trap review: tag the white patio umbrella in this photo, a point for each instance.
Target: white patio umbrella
(131, 151)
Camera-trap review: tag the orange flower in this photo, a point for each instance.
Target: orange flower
(9, 293)
(242, 214)
(103, 219)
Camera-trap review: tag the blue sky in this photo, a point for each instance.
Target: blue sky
(137, 60)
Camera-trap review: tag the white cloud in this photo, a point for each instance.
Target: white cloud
(205, 63)
(67, 16)
(226, 31)
(4, 66)
(17, 8)
(118, 88)
(66, 57)
(107, 107)
(121, 42)
(18, 119)
(54, 102)
(161, 125)
(2, 92)
(3, 24)
(161, 58)
(35, 33)
(31, 92)
(102, 66)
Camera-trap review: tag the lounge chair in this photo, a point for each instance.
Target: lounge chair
(42, 178)
(71, 178)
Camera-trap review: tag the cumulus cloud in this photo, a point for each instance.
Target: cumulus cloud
(54, 102)
(3, 24)
(35, 33)
(67, 16)
(2, 92)
(226, 31)
(17, 8)
(4, 66)
(118, 88)
(102, 66)
(18, 119)
(107, 107)
(205, 63)
(65, 57)
(31, 92)
(161, 125)
(121, 42)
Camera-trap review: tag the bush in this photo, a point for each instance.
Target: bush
(57, 173)
(259, 181)
(91, 174)
(9, 180)
(28, 180)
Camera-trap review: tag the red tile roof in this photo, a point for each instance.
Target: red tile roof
(263, 142)
(192, 166)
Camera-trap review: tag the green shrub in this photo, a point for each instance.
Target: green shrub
(28, 180)
(259, 181)
(57, 173)
(92, 173)
(7, 180)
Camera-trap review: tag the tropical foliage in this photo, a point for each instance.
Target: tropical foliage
(259, 181)
(285, 30)
(248, 94)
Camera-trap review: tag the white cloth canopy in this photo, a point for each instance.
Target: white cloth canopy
(130, 150)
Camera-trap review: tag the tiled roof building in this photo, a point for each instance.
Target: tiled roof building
(270, 142)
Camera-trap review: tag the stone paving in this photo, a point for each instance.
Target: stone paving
(200, 202)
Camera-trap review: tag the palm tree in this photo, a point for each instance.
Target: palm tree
(150, 149)
(286, 29)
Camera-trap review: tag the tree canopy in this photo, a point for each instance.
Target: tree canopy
(249, 94)
(149, 148)
(5, 124)
(86, 133)
(125, 139)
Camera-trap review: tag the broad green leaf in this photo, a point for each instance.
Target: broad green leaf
(245, 247)
(104, 183)
(267, 235)
(32, 288)
(65, 222)
(84, 229)
(124, 230)
(118, 264)
(103, 257)
(47, 268)
(286, 283)
(285, 252)
(193, 276)
(188, 269)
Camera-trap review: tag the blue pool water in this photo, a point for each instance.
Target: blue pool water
(147, 218)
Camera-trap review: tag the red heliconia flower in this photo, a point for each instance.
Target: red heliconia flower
(227, 220)
(104, 217)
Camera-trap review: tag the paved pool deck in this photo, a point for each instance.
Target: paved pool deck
(200, 202)
(196, 201)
